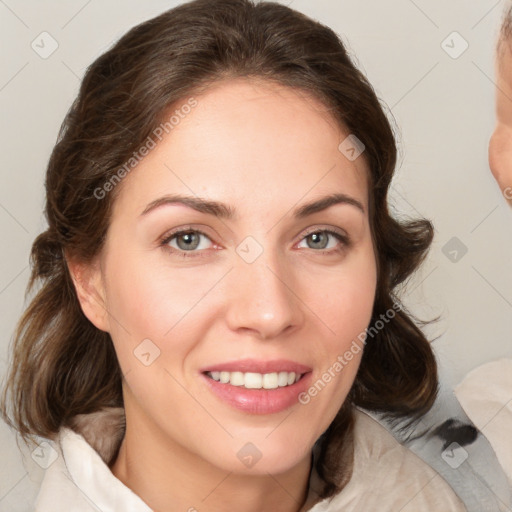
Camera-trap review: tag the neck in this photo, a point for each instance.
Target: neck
(169, 477)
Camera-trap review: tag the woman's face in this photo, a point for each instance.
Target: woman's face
(265, 290)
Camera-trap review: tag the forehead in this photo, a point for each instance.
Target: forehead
(251, 140)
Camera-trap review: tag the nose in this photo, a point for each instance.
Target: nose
(262, 300)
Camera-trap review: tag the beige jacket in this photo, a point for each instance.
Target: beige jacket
(387, 477)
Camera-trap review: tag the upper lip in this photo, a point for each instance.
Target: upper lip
(258, 366)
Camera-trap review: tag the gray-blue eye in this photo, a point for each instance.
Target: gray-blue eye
(320, 239)
(186, 240)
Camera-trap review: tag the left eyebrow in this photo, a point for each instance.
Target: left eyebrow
(225, 211)
(324, 203)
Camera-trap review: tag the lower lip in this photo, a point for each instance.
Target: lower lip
(259, 401)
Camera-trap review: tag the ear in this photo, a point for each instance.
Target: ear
(90, 289)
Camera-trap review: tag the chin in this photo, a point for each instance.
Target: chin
(261, 457)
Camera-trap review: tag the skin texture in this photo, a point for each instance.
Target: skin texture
(263, 149)
(500, 145)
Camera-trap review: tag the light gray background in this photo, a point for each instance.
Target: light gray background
(443, 107)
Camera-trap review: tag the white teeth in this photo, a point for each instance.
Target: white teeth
(236, 379)
(270, 380)
(282, 379)
(251, 380)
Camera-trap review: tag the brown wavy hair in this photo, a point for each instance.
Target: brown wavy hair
(61, 364)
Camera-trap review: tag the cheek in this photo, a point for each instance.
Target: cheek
(353, 308)
(136, 299)
(346, 307)
(345, 304)
(147, 302)
(346, 297)
(147, 295)
(153, 327)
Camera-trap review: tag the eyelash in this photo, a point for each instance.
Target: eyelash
(164, 242)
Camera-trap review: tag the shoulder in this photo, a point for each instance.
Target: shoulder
(486, 396)
(387, 476)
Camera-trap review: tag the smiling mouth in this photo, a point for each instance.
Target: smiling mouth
(251, 380)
